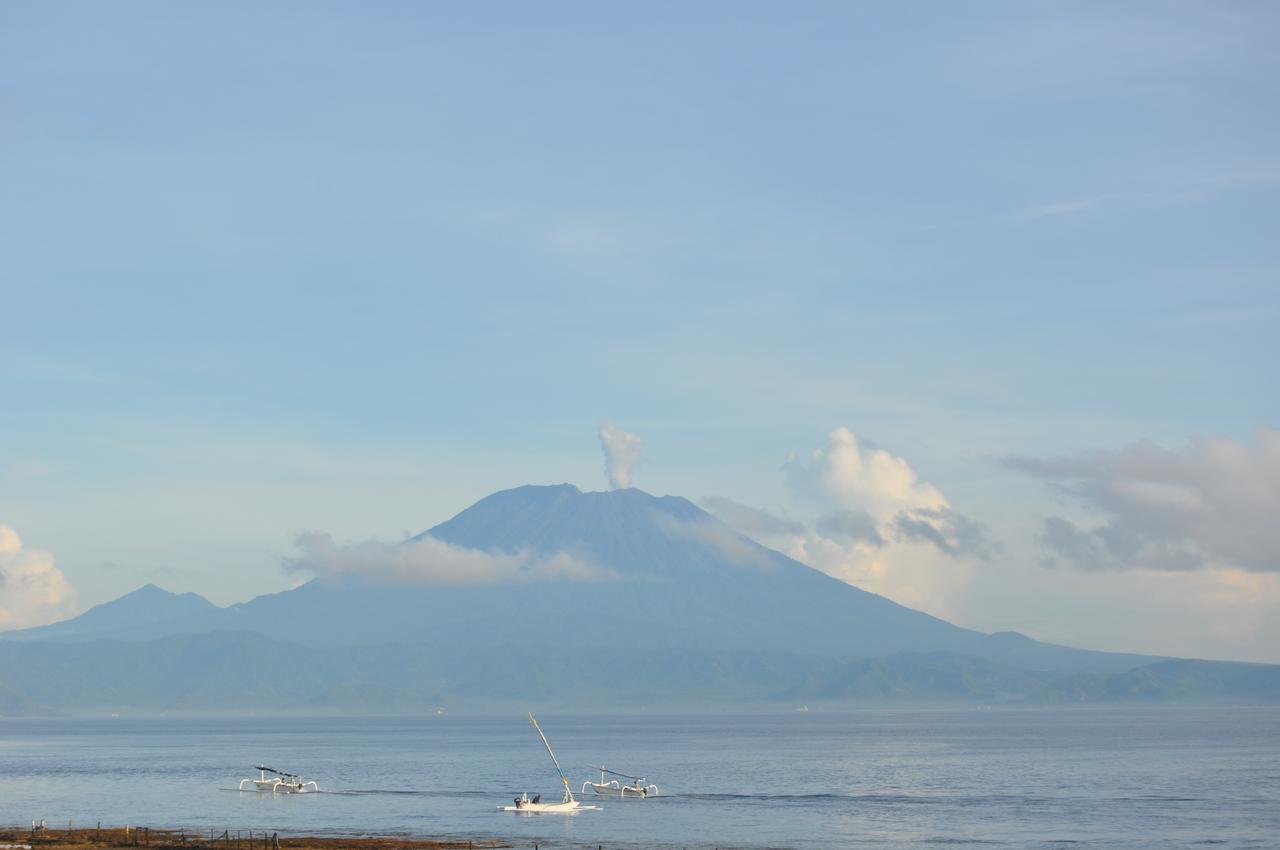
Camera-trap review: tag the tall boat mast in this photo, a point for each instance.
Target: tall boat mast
(568, 794)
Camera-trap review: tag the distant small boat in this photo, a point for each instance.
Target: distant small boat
(279, 783)
(635, 790)
(534, 805)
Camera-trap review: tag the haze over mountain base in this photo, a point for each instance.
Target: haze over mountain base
(547, 596)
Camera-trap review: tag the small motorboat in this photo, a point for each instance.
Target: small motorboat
(534, 805)
(279, 782)
(634, 790)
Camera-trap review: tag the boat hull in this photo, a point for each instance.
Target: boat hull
(277, 786)
(548, 808)
(625, 792)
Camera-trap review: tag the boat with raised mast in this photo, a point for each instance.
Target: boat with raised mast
(534, 805)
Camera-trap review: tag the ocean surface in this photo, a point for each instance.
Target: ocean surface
(1079, 778)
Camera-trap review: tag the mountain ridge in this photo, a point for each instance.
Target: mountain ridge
(139, 611)
(683, 580)
(236, 671)
(684, 598)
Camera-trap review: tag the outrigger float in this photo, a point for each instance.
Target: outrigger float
(636, 790)
(280, 783)
(568, 806)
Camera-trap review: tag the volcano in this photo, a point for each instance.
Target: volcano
(664, 575)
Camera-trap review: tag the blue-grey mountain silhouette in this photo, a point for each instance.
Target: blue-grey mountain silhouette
(674, 605)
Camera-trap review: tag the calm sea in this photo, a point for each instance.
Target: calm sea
(1129, 777)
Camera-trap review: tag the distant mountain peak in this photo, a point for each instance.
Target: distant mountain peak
(628, 531)
(153, 594)
(146, 606)
(149, 589)
(1012, 637)
(678, 579)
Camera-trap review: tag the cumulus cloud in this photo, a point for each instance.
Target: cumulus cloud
(952, 533)
(621, 452)
(911, 572)
(753, 522)
(1212, 503)
(33, 591)
(881, 528)
(881, 498)
(428, 560)
(862, 477)
(850, 525)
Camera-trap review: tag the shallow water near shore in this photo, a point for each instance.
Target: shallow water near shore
(896, 778)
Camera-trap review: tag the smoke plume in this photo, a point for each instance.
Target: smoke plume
(621, 452)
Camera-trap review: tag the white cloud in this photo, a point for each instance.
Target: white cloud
(911, 573)
(862, 478)
(881, 527)
(1212, 503)
(33, 591)
(621, 452)
(879, 498)
(428, 560)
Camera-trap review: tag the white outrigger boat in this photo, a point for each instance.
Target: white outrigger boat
(636, 790)
(534, 805)
(280, 783)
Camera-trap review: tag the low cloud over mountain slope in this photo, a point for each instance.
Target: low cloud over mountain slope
(549, 592)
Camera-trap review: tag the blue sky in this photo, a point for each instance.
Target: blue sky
(351, 267)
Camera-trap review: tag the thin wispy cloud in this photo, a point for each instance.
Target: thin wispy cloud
(731, 547)
(1072, 207)
(1178, 194)
(428, 560)
(755, 522)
